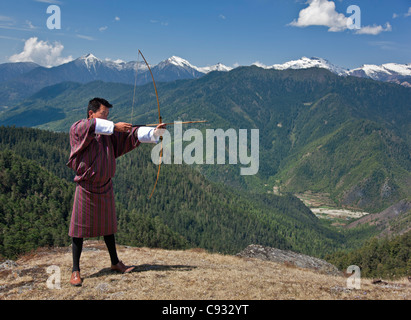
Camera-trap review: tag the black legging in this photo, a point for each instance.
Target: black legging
(77, 244)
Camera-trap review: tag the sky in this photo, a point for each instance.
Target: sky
(232, 32)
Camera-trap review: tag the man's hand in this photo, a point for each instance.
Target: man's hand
(159, 130)
(122, 127)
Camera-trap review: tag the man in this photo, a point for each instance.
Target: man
(95, 144)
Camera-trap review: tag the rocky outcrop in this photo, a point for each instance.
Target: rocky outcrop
(289, 258)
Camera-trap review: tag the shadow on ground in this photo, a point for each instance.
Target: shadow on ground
(143, 268)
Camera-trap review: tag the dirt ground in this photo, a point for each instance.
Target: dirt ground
(179, 275)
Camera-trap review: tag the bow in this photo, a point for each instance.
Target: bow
(159, 118)
(159, 121)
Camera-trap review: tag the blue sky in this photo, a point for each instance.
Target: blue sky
(233, 32)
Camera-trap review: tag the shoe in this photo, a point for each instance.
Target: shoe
(76, 279)
(120, 267)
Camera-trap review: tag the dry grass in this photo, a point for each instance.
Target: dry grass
(179, 275)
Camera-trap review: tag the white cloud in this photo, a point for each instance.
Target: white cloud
(408, 14)
(259, 64)
(49, 1)
(101, 29)
(5, 19)
(117, 19)
(163, 23)
(82, 36)
(11, 38)
(30, 25)
(222, 17)
(323, 13)
(41, 52)
(374, 30)
(384, 45)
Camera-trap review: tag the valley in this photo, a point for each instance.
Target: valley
(342, 155)
(324, 208)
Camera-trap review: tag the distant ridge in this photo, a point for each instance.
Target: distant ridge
(20, 80)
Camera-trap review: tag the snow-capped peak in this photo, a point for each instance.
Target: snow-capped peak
(90, 60)
(401, 69)
(388, 68)
(89, 57)
(305, 63)
(217, 67)
(177, 61)
(384, 72)
(182, 63)
(371, 69)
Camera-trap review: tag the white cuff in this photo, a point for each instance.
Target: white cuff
(146, 135)
(104, 127)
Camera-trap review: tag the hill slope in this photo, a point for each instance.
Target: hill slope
(345, 136)
(179, 275)
(35, 208)
(205, 214)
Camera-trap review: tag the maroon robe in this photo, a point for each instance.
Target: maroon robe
(93, 157)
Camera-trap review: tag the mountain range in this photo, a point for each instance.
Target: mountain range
(347, 136)
(391, 72)
(22, 79)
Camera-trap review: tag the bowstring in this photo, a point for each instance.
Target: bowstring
(135, 85)
(134, 96)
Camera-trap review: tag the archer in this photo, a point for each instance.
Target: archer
(95, 144)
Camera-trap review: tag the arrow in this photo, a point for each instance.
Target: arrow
(168, 124)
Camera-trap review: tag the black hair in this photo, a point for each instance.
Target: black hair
(94, 105)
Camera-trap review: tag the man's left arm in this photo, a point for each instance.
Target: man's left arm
(124, 137)
(144, 134)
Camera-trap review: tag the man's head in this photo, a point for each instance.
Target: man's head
(98, 108)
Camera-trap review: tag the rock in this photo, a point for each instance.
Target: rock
(378, 281)
(289, 257)
(103, 287)
(8, 264)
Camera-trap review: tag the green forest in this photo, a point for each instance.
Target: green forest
(388, 258)
(185, 211)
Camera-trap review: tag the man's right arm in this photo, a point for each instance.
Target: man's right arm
(81, 135)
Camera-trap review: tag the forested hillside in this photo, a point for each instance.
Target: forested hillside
(345, 136)
(384, 258)
(34, 206)
(185, 211)
(35, 209)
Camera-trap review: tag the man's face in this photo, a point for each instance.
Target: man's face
(101, 113)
